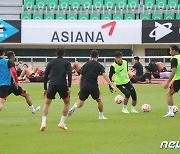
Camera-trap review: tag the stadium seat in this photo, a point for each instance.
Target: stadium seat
(109, 4)
(64, 4)
(133, 4)
(86, 4)
(60, 17)
(157, 16)
(94, 16)
(49, 16)
(149, 4)
(40, 4)
(145, 16)
(52, 5)
(172, 4)
(97, 4)
(26, 16)
(161, 4)
(106, 16)
(37, 16)
(83, 17)
(169, 16)
(75, 4)
(121, 4)
(129, 17)
(28, 4)
(72, 17)
(178, 16)
(117, 16)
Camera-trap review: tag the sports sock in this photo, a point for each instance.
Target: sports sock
(101, 114)
(44, 120)
(32, 108)
(133, 107)
(63, 118)
(124, 106)
(170, 109)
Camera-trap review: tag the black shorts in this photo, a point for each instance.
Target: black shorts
(89, 90)
(62, 90)
(4, 91)
(175, 85)
(15, 91)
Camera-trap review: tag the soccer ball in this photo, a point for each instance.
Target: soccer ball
(175, 109)
(119, 99)
(146, 108)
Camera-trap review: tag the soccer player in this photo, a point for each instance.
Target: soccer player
(19, 91)
(138, 67)
(89, 84)
(174, 77)
(121, 79)
(6, 71)
(57, 69)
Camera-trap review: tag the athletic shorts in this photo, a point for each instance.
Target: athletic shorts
(89, 90)
(4, 92)
(62, 90)
(15, 91)
(175, 85)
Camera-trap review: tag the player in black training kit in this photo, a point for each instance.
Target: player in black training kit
(89, 84)
(19, 91)
(57, 69)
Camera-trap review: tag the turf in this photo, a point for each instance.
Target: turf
(120, 134)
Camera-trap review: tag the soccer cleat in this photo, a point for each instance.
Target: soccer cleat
(102, 118)
(125, 110)
(70, 112)
(42, 128)
(169, 115)
(36, 109)
(134, 111)
(63, 127)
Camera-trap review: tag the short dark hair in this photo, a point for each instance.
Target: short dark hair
(94, 54)
(118, 54)
(2, 50)
(174, 47)
(10, 54)
(60, 52)
(148, 68)
(136, 58)
(25, 65)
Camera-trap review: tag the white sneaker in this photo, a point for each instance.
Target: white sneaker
(102, 118)
(70, 112)
(169, 115)
(134, 111)
(36, 109)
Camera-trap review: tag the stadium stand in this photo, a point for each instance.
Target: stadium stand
(86, 9)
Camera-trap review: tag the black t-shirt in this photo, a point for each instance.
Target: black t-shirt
(145, 76)
(90, 72)
(139, 68)
(57, 69)
(174, 63)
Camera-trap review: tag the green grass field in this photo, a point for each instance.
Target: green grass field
(121, 134)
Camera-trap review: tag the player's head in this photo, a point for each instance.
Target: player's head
(2, 51)
(118, 56)
(94, 54)
(11, 55)
(147, 69)
(60, 52)
(25, 66)
(136, 59)
(174, 50)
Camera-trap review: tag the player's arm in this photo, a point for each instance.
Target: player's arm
(13, 72)
(46, 74)
(69, 71)
(112, 88)
(111, 72)
(173, 71)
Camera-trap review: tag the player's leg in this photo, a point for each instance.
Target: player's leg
(127, 94)
(132, 90)
(25, 72)
(3, 95)
(2, 100)
(50, 95)
(83, 95)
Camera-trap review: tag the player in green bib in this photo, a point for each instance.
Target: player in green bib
(174, 77)
(121, 79)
